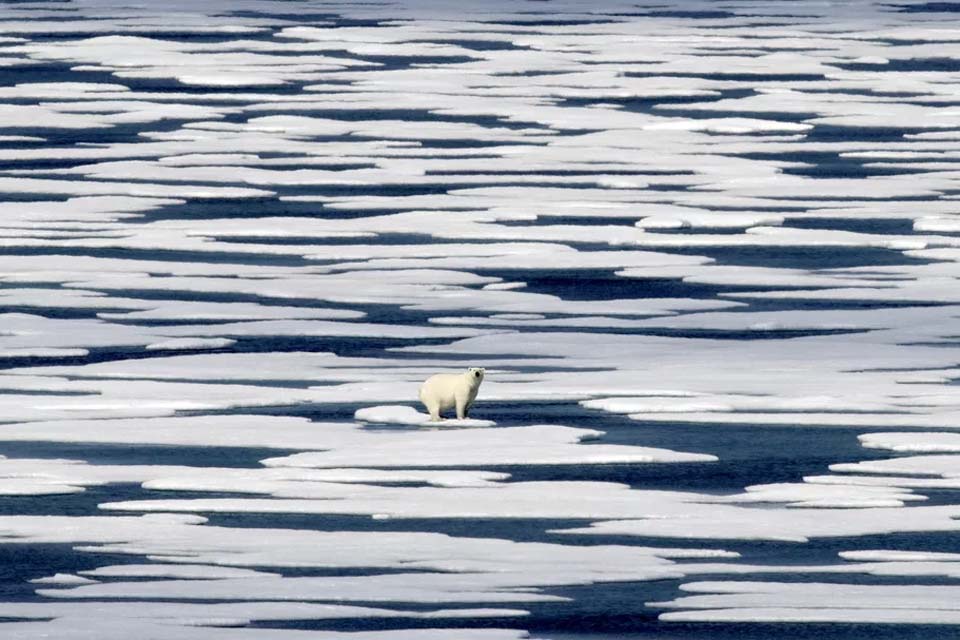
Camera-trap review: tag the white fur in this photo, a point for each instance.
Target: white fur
(445, 391)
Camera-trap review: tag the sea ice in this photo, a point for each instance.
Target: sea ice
(399, 414)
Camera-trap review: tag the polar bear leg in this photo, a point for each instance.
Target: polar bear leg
(463, 406)
(433, 408)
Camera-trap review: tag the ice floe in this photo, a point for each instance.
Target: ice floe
(399, 414)
(814, 602)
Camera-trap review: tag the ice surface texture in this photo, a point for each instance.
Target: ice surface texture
(709, 257)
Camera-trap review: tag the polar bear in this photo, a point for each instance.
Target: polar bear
(447, 390)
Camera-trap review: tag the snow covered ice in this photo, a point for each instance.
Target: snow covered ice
(707, 253)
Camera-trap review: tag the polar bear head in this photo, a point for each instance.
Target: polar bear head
(476, 375)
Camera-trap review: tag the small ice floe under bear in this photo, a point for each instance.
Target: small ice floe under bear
(445, 391)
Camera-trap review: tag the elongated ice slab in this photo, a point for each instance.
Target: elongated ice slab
(814, 602)
(398, 414)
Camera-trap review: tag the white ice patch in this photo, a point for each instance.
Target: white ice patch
(290, 481)
(882, 555)
(847, 512)
(398, 414)
(64, 579)
(913, 442)
(795, 525)
(176, 571)
(89, 622)
(748, 405)
(814, 602)
(188, 311)
(190, 343)
(926, 465)
(541, 444)
(820, 496)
